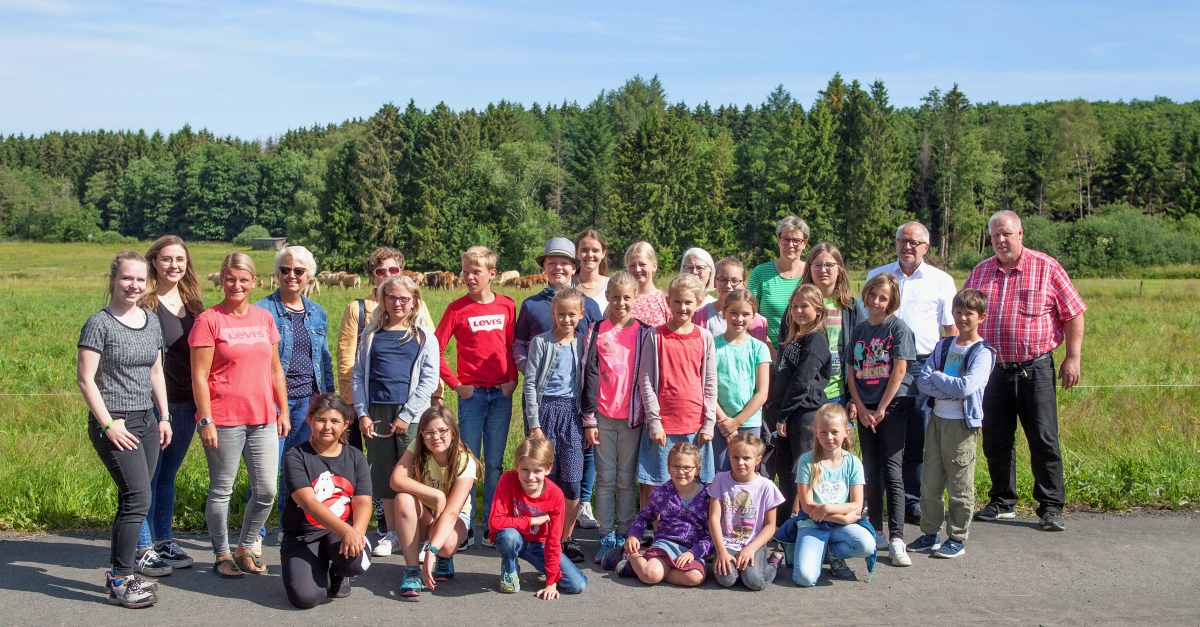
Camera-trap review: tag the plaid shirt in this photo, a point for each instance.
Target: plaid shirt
(1026, 306)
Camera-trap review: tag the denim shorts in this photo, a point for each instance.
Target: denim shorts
(652, 459)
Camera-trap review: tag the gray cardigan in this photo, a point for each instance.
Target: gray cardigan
(648, 382)
(423, 383)
(543, 353)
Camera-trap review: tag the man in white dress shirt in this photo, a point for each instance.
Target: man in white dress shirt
(925, 297)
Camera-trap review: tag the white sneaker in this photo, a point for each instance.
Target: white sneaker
(898, 553)
(586, 519)
(383, 548)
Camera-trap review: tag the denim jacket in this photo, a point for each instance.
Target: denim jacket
(539, 365)
(318, 328)
(969, 387)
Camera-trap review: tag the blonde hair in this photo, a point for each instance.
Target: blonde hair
(702, 255)
(686, 282)
(827, 412)
(479, 256)
(797, 329)
(684, 448)
(568, 295)
(238, 260)
(298, 254)
(115, 267)
(884, 278)
(841, 288)
(740, 296)
(621, 278)
(189, 285)
(643, 249)
(536, 450)
(379, 317)
(745, 438)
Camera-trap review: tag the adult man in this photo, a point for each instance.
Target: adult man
(925, 296)
(1032, 306)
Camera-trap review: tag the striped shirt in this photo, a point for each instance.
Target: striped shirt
(773, 292)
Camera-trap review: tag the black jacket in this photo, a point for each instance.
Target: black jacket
(802, 371)
(851, 316)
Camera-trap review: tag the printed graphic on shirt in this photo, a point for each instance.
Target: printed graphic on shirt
(745, 515)
(493, 322)
(524, 509)
(873, 362)
(954, 364)
(833, 491)
(245, 335)
(335, 493)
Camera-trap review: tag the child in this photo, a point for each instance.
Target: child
(730, 276)
(433, 503)
(394, 376)
(879, 378)
(954, 378)
(325, 517)
(741, 517)
(798, 389)
(743, 374)
(829, 487)
(679, 510)
(678, 386)
(551, 393)
(612, 408)
(528, 521)
(481, 323)
(651, 305)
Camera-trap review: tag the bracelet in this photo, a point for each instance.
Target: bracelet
(104, 428)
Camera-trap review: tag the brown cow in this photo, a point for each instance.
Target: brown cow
(508, 277)
(433, 279)
(349, 280)
(215, 277)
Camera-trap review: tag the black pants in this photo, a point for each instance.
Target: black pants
(131, 471)
(787, 452)
(883, 450)
(1026, 395)
(308, 567)
(914, 448)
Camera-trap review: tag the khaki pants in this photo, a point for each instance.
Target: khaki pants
(949, 466)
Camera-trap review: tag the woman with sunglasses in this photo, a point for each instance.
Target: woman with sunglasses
(773, 282)
(303, 347)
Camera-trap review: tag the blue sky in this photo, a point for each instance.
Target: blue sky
(255, 69)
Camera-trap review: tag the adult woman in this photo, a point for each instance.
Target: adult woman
(242, 406)
(173, 293)
(119, 371)
(303, 349)
(592, 278)
(697, 262)
(826, 270)
(772, 283)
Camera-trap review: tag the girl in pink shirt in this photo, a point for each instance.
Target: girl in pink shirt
(650, 306)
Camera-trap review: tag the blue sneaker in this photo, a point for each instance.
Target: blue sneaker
(926, 543)
(510, 583)
(443, 569)
(411, 586)
(951, 549)
(608, 542)
(612, 558)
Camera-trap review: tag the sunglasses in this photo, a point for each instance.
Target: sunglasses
(393, 270)
(298, 271)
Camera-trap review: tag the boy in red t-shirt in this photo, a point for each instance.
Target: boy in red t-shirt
(481, 323)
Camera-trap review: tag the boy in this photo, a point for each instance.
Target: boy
(482, 324)
(954, 377)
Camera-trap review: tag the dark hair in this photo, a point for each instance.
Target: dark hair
(189, 285)
(972, 299)
(322, 403)
(594, 234)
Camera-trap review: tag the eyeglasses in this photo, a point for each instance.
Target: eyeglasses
(168, 260)
(392, 270)
(435, 433)
(403, 301)
(695, 268)
(824, 267)
(792, 241)
(910, 243)
(683, 469)
(298, 271)
(729, 282)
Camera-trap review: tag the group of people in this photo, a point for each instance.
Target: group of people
(713, 432)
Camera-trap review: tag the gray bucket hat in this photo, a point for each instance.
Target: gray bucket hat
(558, 247)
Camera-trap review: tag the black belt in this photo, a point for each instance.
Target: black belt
(1021, 365)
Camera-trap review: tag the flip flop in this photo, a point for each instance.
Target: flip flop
(236, 572)
(249, 563)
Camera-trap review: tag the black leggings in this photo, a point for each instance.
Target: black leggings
(308, 566)
(131, 471)
(883, 452)
(787, 453)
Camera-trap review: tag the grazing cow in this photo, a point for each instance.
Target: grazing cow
(309, 288)
(215, 277)
(348, 281)
(508, 277)
(329, 279)
(433, 279)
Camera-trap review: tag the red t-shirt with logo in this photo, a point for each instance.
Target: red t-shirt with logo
(240, 379)
(484, 335)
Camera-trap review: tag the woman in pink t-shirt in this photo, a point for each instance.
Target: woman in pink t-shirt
(241, 402)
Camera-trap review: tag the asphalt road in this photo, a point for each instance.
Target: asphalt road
(1103, 570)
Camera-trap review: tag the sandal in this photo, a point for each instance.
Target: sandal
(235, 572)
(249, 563)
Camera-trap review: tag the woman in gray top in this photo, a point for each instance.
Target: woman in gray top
(120, 373)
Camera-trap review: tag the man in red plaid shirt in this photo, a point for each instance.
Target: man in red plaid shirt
(1032, 307)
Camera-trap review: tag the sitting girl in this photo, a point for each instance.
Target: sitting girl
(741, 517)
(681, 540)
(433, 503)
(325, 517)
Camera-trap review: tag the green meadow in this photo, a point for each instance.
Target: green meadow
(1130, 432)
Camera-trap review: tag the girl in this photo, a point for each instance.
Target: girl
(826, 271)
(325, 516)
(730, 276)
(829, 488)
(612, 408)
(527, 522)
(120, 374)
(741, 517)
(395, 374)
(879, 377)
(651, 305)
(743, 375)
(679, 510)
(551, 394)
(242, 404)
(433, 503)
(698, 263)
(592, 278)
(678, 388)
(174, 295)
(798, 389)
(773, 282)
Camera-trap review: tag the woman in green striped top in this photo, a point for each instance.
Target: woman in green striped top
(772, 283)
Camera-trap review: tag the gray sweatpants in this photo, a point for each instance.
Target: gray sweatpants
(616, 475)
(259, 446)
(756, 577)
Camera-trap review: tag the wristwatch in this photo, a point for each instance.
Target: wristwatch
(204, 422)
(166, 418)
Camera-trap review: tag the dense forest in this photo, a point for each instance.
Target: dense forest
(1104, 185)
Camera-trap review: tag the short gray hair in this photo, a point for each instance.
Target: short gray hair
(913, 223)
(792, 223)
(300, 254)
(705, 258)
(1002, 215)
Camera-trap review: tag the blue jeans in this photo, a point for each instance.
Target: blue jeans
(844, 542)
(512, 545)
(297, 411)
(483, 421)
(589, 475)
(162, 484)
